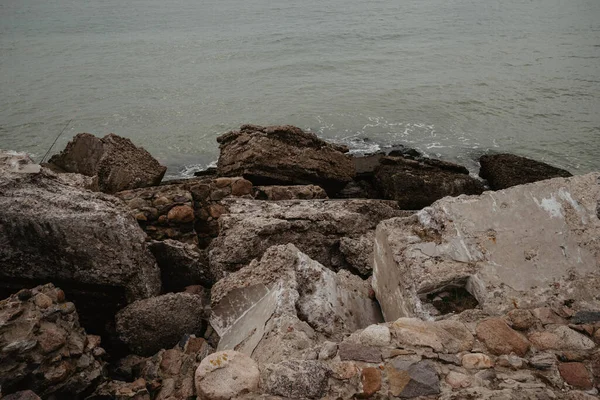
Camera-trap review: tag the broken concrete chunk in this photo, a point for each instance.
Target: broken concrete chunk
(286, 282)
(225, 375)
(509, 249)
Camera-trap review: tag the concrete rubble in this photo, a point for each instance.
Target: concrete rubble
(212, 288)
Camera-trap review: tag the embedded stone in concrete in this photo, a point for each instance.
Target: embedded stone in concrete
(296, 379)
(499, 338)
(407, 379)
(225, 375)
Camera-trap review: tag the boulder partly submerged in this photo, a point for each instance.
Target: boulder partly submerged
(505, 170)
(53, 231)
(116, 161)
(284, 155)
(417, 183)
(527, 246)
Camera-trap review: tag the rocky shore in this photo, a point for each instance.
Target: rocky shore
(296, 271)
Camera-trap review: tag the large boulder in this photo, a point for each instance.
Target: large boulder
(314, 226)
(528, 246)
(43, 348)
(418, 183)
(149, 325)
(505, 170)
(284, 155)
(116, 161)
(287, 284)
(52, 231)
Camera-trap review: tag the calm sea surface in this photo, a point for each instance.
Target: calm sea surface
(453, 78)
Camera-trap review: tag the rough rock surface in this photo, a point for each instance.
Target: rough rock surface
(86, 242)
(301, 192)
(505, 170)
(296, 379)
(181, 264)
(226, 374)
(503, 247)
(283, 155)
(42, 346)
(149, 325)
(286, 285)
(418, 183)
(116, 161)
(186, 210)
(314, 226)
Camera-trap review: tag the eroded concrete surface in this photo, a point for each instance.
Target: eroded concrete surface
(527, 245)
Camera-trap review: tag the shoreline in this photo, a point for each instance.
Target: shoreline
(295, 270)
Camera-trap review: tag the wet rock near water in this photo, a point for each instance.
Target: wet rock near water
(505, 170)
(115, 161)
(284, 155)
(43, 348)
(415, 184)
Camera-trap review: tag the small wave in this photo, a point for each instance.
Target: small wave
(187, 171)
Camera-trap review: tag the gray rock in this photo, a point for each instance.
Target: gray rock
(287, 283)
(296, 379)
(283, 155)
(314, 226)
(43, 347)
(116, 161)
(417, 184)
(180, 264)
(358, 252)
(585, 317)
(505, 170)
(149, 325)
(328, 350)
(358, 352)
(543, 360)
(22, 395)
(479, 242)
(408, 379)
(300, 192)
(54, 231)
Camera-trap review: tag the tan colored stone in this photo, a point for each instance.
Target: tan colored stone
(442, 336)
(42, 300)
(500, 339)
(477, 361)
(522, 320)
(458, 380)
(344, 370)
(226, 374)
(216, 210)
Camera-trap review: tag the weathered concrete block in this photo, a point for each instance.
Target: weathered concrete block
(525, 246)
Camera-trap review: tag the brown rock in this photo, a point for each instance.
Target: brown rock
(181, 214)
(51, 337)
(42, 301)
(300, 192)
(22, 395)
(222, 182)
(116, 161)
(522, 320)
(344, 370)
(417, 184)
(407, 379)
(575, 374)
(499, 338)
(458, 380)
(283, 155)
(371, 381)
(216, 210)
(241, 187)
(506, 170)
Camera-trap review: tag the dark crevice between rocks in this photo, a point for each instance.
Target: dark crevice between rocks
(96, 307)
(452, 298)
